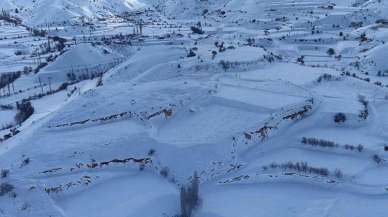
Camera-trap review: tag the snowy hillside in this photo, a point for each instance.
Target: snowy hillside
(47, 12)
(193, 108)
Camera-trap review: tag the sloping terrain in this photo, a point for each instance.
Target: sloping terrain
(129, 108)
(48, 12)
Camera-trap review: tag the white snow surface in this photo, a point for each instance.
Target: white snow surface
(278, 107)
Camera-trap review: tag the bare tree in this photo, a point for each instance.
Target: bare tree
(189, 197)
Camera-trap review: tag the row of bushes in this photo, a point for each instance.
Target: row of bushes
(354, 75)
(304, 168)
(85, 76)
(327, 77)
(330, 144)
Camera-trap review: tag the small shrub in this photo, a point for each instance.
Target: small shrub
(363, 37)
(151, 152)
(25, 162)
(360, 148)
(377, 159)
(300, 60)
(331, 51)
(340, 118)
(214, 53)
(197, 30)
(6, 188)
(164, 172)
(4, 173)
(191, 53)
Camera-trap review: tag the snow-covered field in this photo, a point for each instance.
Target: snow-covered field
(114, 108)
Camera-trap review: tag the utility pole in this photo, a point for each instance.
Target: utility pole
(9, 89)
(141, 26)
(40, 83)
(49, 80)
(13, 87)
(48, 43)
